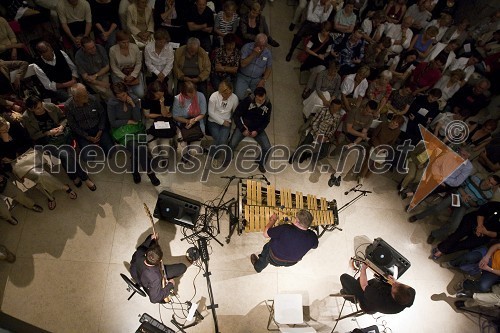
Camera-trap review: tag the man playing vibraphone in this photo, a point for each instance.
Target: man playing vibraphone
(288, 244)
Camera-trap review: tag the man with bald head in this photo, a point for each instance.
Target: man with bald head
(56, 71)
(87, 120)
(400, 34)
(255, 67)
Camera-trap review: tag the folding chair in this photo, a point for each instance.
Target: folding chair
(358, 311)
(286, 309)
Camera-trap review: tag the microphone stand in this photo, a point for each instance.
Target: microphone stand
(362, 193)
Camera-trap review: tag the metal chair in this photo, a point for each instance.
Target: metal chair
(286, 309)
(135, 287)
(357, 313)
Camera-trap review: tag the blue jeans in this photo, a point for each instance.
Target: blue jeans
(70, 163)
(261, 139)
(469, 264)
(243, 83)
(266, 259)
(220, 133)
(454, 222)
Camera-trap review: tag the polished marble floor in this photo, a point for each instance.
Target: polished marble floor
(66, 277)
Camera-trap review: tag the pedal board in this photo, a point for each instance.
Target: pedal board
(151, 325)
(202, 246)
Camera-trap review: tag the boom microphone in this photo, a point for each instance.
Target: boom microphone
(352, 189)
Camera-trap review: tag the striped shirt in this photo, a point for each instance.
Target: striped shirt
(472, 188)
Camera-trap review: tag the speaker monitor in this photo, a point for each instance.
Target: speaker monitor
(385, 258)
(177, 209)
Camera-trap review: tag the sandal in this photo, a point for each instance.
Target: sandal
(91, 187)
(37, 208)
(71, 194)
(13, 220)
(51, 204)
(79, 183)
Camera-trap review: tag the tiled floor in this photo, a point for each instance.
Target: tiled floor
(66, 278)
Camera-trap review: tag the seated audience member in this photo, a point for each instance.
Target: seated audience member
(401, 67)
(140, 22)
(14, 142)
(56, 71)
(426, 75)
(489, 44)
(468, 65)
(93, 66)
(189, 109)
(255, 67)
(400, 34)
(226, 62)
(200, 23)
(191, 64)
(8, 87)
(449, 85)
(444, 50)
(145, 270)
(353, 89)
(159, 57)
(380, 90)
(395, 11)
(105, 20)
(326, 89)
(251, 118)
(480, 135)
(10, 48)
(375, 55)
(442, 24)
(355, 129)
(417, 161)
(458, 32)
(321, 133)
(317, 13)
(171, 15)
(75, 17)
(474, 192)
(226, 22)
(11, 191)
(471, 97)
(317, 50)
(484, 303)
(221, 106)
(441, 122)
(87, 121)
(298, 14)
(448, 7)
(420, 12)
(253, 24)
(156, 108)
(345, 19)
(125, 118)
(246, 5)
(422, 111)
(399, 101)
(423, 42)
(46, 125)
(490, 156)
(370, 26)
(125, 59)
(477, 228)
(349, 52)
(375, 295)
(482, 261)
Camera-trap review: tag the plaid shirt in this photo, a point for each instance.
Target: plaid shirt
(87, 117)
(324, 123)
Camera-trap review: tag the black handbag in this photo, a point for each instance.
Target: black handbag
(191, 134)
(163, 132)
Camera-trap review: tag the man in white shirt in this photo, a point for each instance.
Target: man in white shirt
(400, 34)
(468, 65)
(420, 14)
(55, 70)
(318, 12)
(448, 49)
(159, 56)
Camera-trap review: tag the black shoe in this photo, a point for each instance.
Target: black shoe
(262, 169)
(460, 304)
(289, 57)
(253, 259)
(412, 218)
(154, 180)
(137, 177)
(334, 181)
(291, 27)
(304, 157)
(430, 239)
(290, 160)
(464, 294)
(273, 43)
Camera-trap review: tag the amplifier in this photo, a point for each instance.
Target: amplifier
(151, 325)
(386, 258)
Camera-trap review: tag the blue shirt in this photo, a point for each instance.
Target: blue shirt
(258, 66)
(472, 187)
(460, 174)
(291, 243)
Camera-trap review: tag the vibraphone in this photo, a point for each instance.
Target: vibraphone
(257, 201)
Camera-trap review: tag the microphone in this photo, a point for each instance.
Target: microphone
(352, 189)
(267, 181)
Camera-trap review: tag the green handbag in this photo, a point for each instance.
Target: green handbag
(128, 132)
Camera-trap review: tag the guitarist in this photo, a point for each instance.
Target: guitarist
(145, 269)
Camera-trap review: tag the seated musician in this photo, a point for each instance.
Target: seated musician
(145, 269)
(288, 244)
(375, 295)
